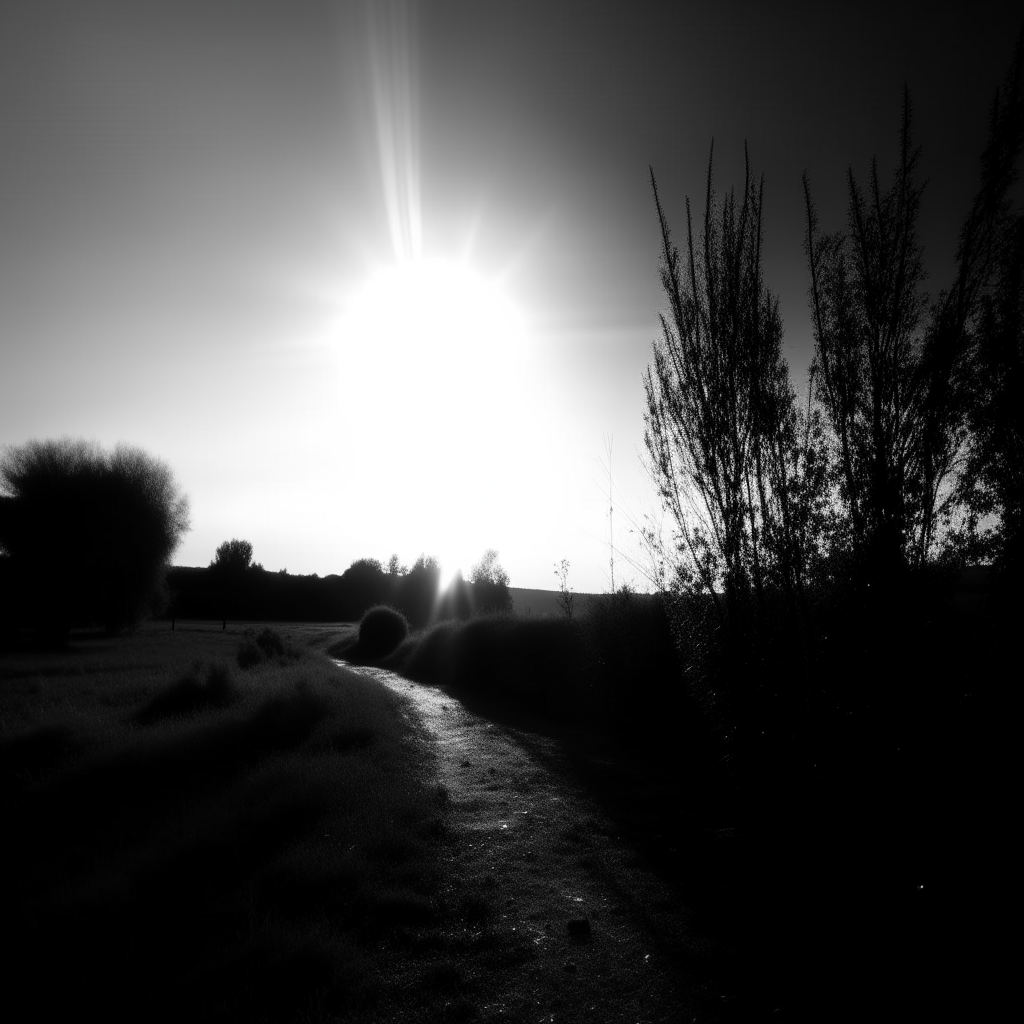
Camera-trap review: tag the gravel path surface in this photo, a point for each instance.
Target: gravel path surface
(599, 937)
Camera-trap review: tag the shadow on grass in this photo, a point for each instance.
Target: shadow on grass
(244, 855)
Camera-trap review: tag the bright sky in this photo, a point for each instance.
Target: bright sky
(386, 280)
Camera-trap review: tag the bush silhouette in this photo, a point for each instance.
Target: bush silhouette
(88, 533)
(381, 630)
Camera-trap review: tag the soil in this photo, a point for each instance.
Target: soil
(596, 935)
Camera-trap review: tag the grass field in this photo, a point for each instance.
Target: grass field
(185, 839)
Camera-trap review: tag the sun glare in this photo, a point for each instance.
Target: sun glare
(446, 334)
(434, 361)
(437, 410)
(449, 571)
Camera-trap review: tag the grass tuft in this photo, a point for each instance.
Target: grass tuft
(266, 645)
(194, 692)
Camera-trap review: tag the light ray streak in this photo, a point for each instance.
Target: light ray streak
(395, 73)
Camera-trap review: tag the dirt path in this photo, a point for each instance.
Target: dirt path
(602, 938)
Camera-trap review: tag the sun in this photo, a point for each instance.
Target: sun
(435, 377)
(442, 332)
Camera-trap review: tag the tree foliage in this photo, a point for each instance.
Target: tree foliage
(993, 482)
(418, 590)
(490, 584)
(566, 596)
(489, 570)
(233, 556)
(898, 379)
(730, 452)
(88, 533)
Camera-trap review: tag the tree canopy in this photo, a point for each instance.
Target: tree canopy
(88, 533)
(233, 556)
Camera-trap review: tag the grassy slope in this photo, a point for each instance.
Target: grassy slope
(271, 852)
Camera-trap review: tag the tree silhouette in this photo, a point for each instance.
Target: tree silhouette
(233, 556)
(993, 484)
(88, 533)
(995, 476)
(230, 564)
(898, 392)
(490, 584)
(566, 597)
(728, 448)
(418, 590)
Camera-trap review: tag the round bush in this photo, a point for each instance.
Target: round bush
(381, 630)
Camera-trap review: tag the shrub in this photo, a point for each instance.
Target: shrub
(88, 533)
(381, 630)
(431, 657)
(266, 645)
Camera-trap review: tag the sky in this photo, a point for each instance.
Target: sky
(377, 279)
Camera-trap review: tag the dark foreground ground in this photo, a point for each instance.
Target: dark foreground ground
(850, 852)
(189, 838)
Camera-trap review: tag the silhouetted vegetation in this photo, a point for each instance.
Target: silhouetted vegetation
(419, 590)
(993, 238)
(233, 556)
(730, 452)
(231, 563)
(87, 535)
(566, 595)
(613, 668)
(462, 600)
(489, 583)
(898, 396)
(831, 632)
(381, 630)
(266, 645)
(233, 588)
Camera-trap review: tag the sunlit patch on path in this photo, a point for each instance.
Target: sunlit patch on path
(601, 937)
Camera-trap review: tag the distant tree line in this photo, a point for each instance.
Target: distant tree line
(232, 587)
